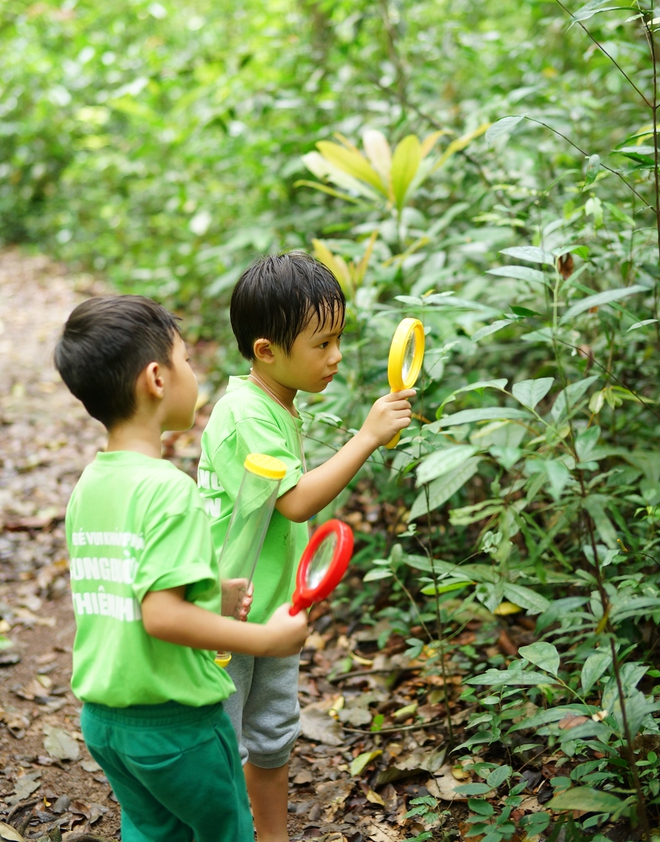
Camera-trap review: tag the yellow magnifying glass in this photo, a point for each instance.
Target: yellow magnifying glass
(405, 360)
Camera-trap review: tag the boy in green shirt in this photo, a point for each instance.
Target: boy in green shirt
(146, 592)
(287, 313)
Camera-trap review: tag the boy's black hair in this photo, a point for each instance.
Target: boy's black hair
(105, 344)
(277, 296)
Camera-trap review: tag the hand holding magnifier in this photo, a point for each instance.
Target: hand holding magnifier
(322, 564)
(405, 360)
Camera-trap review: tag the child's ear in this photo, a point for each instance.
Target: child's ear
(152, 380)
(263, 351)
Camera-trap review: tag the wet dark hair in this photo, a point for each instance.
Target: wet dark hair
(277, 297)
(105, 344)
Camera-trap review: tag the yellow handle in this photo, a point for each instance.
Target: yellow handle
(222, 659)
(395, 438)
(393, 442)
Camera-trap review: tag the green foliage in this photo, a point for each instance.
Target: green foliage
(488, 168)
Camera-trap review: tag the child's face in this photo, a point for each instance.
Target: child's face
(181, 392)
(314, 357)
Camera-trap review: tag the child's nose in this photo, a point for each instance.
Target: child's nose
(337, 355)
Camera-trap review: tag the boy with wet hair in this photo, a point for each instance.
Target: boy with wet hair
(287, 313)
(146, 594)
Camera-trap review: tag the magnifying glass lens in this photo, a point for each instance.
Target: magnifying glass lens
(320, 563)
(409, 356)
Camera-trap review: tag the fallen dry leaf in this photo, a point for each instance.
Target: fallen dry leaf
(316, 724)
(572, 720)
(59, 743)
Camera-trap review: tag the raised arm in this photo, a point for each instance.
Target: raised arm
(319, 487)
(168, 616)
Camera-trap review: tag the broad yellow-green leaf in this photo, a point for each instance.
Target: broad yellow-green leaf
(363, 760)
(361, 268)
(325, 169)
(346, 142)
(335, 264)
(429, 142)
(406, 711)
(405, 162)
(353, 163)
(329, 190)
(378, 152)
(129, 105)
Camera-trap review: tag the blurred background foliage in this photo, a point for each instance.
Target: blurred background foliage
(491, 168)
(160, 143)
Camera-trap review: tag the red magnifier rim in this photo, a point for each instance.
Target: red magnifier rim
(304, 596)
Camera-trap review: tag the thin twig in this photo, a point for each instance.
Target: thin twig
(604, 166)
(604, 51)
(416, 727)
(335, 679)
(613, 376)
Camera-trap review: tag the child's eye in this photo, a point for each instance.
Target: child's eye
(323, 345)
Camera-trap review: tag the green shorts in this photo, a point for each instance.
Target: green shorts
(174, 769)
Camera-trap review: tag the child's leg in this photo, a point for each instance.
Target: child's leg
(269, 796)
(175, 771)
(271, 724)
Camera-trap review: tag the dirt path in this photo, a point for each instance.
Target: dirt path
(349, 783)
(46, 439)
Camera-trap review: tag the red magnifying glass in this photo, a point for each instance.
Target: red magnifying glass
(322, 565)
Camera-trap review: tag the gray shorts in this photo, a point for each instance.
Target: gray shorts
(264, 710)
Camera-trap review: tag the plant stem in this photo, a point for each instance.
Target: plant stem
(642, 813)
(439, 624)
(656, 152)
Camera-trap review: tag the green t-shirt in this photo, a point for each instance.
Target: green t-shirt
(246, 420)
(136, 524)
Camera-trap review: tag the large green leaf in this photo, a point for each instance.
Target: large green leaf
(481, 384)
(521, 273)
(532, 254)
(442, 461)
(595, 505)
(530, 392)
(513, 678)
(493, 328)
(599, 299)
(488, 413)
(586, 798)
(526, 598)
(569, 397)
(586, 441)
(593, 668)
(543, 655)
(558, 474)
(503, 126)
(441, 489)
(545, 717)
